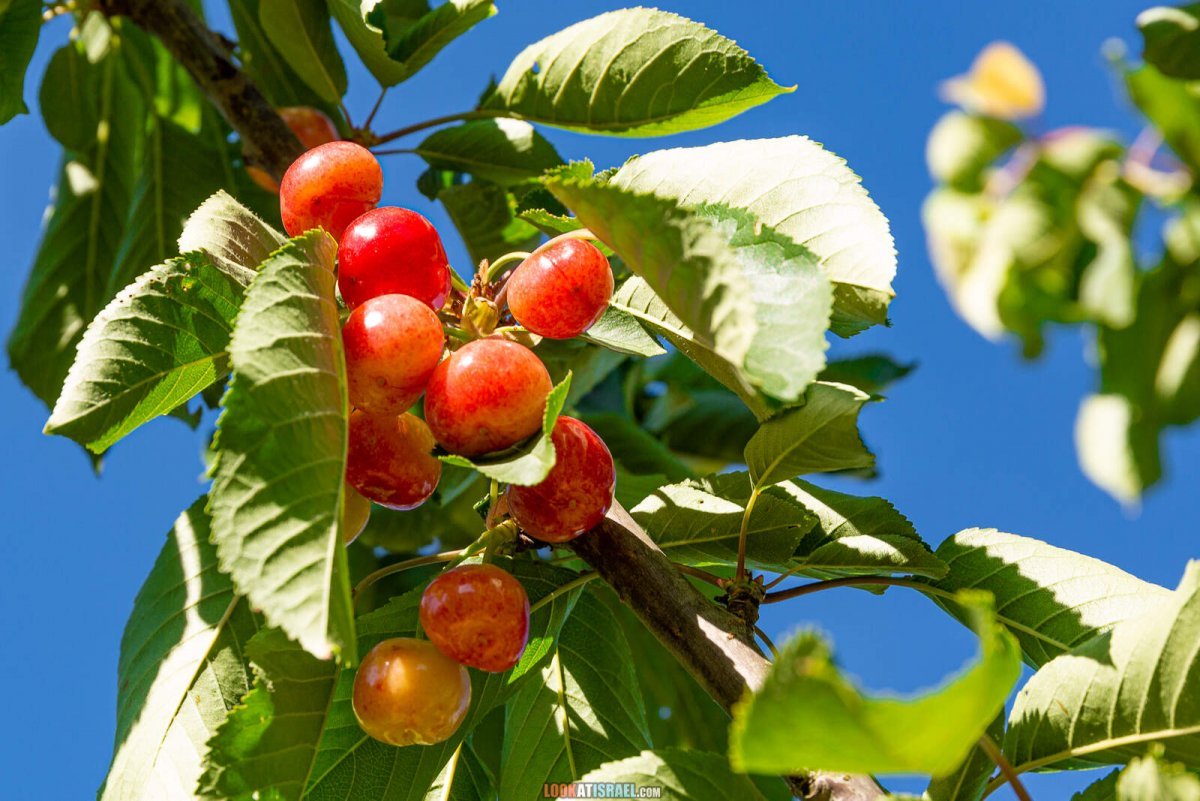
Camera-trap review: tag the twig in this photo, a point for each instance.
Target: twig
(853, 581)
(1007, 771)
(383, 139)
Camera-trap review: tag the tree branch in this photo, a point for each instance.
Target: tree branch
(710, 642)
(266, 140)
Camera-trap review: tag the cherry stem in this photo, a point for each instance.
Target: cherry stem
(578, 233)
(563, 590)
(853, 581)
(375, 109)
(433, 123)
(494, 270)
(501, 299)
(408, 564)
(740, 575)
(1007, 772)
(346, 113)
(456, 332)
(762, 635)
(459, 284)
(703, 575)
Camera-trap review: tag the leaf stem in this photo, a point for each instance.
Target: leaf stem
(375, 108)
(383, 139)
(989, 747)
(853, 581)
(703, 575)
(563, 590)
(457, 282)
(791, 571)
(740, 575)
(408, 564)
(494, 270)
(762, 635)
(456, 332)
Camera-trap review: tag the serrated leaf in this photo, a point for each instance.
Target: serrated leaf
(367, 40)
(281, 451)
(621, 331)
(872, 373)
(684, 776)
(20, 25)
(800, 190)
(485, 217)
(1051, 599)
(350, 765)
(1171, 39)
(300, 31)
(265, 747)
(633, 72)
(532, 462)
(412, 41)
(858, 536)
(636, 449)
(1102, 703)
(1101, 790)
(820, 436)
(502, 151)
(806, 715)
(164, 338)
(581, 711)
(699, 521)
(181, 668)
(232, 235)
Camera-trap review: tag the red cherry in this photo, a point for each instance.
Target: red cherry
(390, 461)
(577, 493)
(489, 395)
(393, 251)
(406, 692)
(311, 126)
(562, 289)
(328, 187)
(356, 511)
(477, 615)
(393, 343)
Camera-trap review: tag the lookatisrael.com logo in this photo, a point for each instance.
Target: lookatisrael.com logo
(625, 790)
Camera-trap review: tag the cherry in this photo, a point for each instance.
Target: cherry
(328, 187)
(406, 692)
(562, 289)
(577, 493)
(489, 395)
(389, 459)
(311, 126)
(356, 511)
(477, 615)
(393, 343)
(392, 250)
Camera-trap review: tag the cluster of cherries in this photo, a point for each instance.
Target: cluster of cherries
(483, 394)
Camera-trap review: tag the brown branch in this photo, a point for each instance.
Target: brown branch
(714, 645)
(266, 140)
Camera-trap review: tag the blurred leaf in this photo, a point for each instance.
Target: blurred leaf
(807, 716)
(1002, 83)
(632, 72)
(181, 668)
(276, 495)
(962, 146)
(1172, 106)
(1150, 779)
(589, 366)
(502, 151)
(800, 190)
(1171, 39)
(872, 373)
(300, 31)
(413, 40)
(969, 779)
(635, 448)
(20, 24)
(818, 437)
(1051, 599)
(532, 462)
(685, 776)
(484, 215)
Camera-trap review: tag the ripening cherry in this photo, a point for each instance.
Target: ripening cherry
(393, 251)
(407, 692)
(390, 459)
(577, 493)
(393, 343)
(562, 289)
(329, 187)
(487, 396)
(311, 126)
(478, 615)
(356, 511)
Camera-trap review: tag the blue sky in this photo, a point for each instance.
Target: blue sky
(974, 437)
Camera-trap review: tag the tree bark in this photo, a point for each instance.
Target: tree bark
(710, 642)
(266, 140)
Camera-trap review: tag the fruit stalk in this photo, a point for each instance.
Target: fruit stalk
(714, 645)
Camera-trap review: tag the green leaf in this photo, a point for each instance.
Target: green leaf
(1051, 599)
(502, 151)
(634, 448)
(801, 191)
(20, 24)
(468, 777)
(589, 366)
(413, 41)
(531, 463)
(1150, 779)
(231, 234)
(699, 521)
(820, 436)
(621, 331)
(270, 68)
(1101, 790)
(684, 776)
(181, 668)
(962, 146)
(871, 373)
(159, 342)
(281, 451)
(485, 216)
(265, 747)
(300, 32)
(968, 781)
(633, 72)
(351, 766)
(1171, 37)
(1172, 106)
(806, 715)
(1103, 702)
(583, 710)
(367, 40)
(858, 536)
